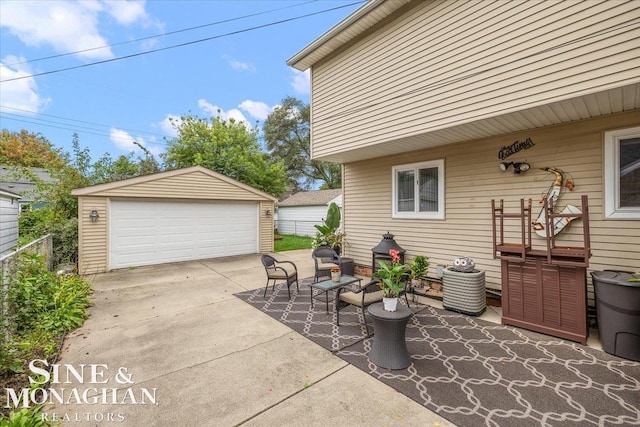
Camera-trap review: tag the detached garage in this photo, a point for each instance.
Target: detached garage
(181, 215)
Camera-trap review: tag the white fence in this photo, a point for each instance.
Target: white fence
(8, 269)
(298, 228)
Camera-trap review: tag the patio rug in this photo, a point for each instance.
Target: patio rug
(474, 372)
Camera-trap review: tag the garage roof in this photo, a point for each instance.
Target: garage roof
(311, 198)
(195, 182)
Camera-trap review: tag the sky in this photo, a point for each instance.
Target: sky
(60, 70)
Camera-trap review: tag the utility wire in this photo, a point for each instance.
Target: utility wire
(87, 130)
(159, 35)
(72, 120)
(271, 24)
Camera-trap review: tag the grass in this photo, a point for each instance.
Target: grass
(289, 242)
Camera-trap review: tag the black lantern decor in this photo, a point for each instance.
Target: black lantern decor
(381, 251)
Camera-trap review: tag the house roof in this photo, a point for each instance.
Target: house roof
(108, 188)
(311, 198)
(9, 194)
(342, 33)
(12, 180)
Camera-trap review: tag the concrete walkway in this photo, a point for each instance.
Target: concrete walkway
(212, 359)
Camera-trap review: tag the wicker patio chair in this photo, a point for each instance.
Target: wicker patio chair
(275, 271)
(324, 259)
(365, 296)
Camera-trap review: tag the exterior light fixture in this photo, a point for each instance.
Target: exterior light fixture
(504, 166)
(94, 215)
(521, 167)
(518, 167)
(268, 212)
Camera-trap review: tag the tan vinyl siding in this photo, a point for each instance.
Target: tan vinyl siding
(445, 63)
(266, 227)
(473, 179)
(92, 236)
(194, 185)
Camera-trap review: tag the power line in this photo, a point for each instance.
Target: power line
(74, 120)
(160, 35)
(271, 24)
(86, 129)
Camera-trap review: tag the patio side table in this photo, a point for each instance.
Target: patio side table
(389, 349)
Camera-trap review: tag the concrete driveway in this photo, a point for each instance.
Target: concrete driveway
(181, 350)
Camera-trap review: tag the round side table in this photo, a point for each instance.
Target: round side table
(389, 349)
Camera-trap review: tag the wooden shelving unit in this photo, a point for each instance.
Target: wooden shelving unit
(543, 290)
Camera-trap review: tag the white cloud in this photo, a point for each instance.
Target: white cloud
(241, 66)
(71, 26)
(170, 124)
(301, 81)
(20, 94)
(215, 111)
(65, 25)
(123, 140)
(256, 109)
(127, 12)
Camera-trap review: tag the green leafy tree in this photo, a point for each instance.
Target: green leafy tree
(287, 137)
(227, 147)
(106, 169)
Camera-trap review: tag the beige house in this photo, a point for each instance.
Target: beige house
(179, 215)
(421, 101)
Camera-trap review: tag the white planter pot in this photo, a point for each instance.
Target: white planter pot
(390, 304)
(335, 276)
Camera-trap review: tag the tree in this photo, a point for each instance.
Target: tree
(124, 166)
(286, 133)
(227, 147)
(28, 149)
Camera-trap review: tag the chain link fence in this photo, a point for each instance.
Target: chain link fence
(8, 271)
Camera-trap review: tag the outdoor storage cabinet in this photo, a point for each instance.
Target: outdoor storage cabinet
(464, 292)
(618, 311)
(546, 298)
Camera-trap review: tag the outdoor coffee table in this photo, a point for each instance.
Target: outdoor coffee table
(389, 349)
(329, 285)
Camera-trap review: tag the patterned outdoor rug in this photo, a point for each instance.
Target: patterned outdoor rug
(473, 372)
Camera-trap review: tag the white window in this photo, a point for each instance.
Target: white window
(622, 173)
(418, 190)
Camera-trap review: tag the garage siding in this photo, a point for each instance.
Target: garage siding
(92, 236)
(266, 227)
(196, 185)
(190, 184)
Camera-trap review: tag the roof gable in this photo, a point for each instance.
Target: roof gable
(195, 182)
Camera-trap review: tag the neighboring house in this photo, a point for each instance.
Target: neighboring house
(179, 215)
(12, 180)
(299, 213)
(427, 98)
(9, 212)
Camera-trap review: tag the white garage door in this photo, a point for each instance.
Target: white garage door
(146, 233)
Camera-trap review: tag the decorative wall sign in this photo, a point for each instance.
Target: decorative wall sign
(508, 150)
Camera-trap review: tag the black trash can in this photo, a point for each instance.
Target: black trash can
(618, 312)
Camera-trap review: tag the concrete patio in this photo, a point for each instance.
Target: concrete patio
(212, 359)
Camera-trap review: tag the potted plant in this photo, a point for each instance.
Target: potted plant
(418, 267)
(335, 274)
(329, 234)
(391, 279)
